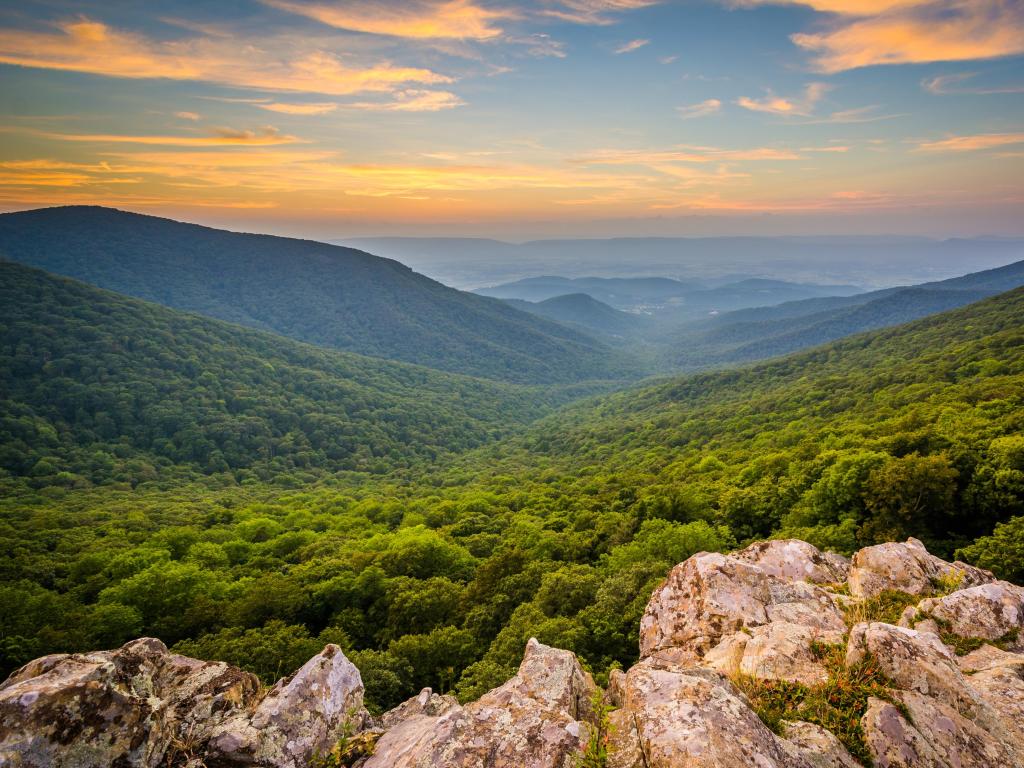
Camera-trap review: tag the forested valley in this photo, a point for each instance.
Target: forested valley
(248, 498)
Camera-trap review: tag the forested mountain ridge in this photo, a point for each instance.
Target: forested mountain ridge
(322, 294)
(754, 334)
(97, 387)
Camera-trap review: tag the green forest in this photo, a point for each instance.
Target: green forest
(249, 498)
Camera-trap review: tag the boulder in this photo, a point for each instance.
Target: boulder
(139, 705)
(817, 746)
(533, 720)
(776, 651)
(425, 703)
(893, 742)
(711, 596)
(955, 738)
(993, 611)
(678, 717)
(796, 560)
(301, 716)
(914, 661)
(908, 567)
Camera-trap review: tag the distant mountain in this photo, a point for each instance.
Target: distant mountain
(667, 297)
(754, 334)
(96, 387)
(621, 293)
(327, 295)
(871, 261)
(585, 311)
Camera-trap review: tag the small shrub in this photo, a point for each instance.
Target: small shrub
(886, 606)
(595, 751)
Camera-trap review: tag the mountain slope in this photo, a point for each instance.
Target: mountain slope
(582, 310)
(753, 334)
(102, 387)
(323, 294)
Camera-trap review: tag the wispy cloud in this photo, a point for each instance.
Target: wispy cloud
(193, 116)
(89, 46)
(264, 137)
(702, 109)
(595, 12)
(962, 83)
(631, 46)
(412, 100)
(791, 105)
(320, 108)
(972, 143)
(415, 19)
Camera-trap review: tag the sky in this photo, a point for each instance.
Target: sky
(510, 119)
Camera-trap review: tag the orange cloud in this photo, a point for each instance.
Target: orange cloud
(299, 109)
(413, 100)
(458, 19)
(777, 105)
(951, 30)
(592, 11)
(92, 47)
(703, 109)
(264, 137)
(972, 143)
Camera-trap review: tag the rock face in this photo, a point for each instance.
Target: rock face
(767, 629)
(532, 720)
(144, 706)
(908, 567)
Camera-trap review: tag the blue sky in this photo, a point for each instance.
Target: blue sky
(558, 117)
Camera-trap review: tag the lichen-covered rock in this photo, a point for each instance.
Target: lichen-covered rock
(531, 720)
(893, 742)
(711, 596)
(955, 738)
(914, 661)
(1001, 688)
(796, 560)
(908, 567)
(989, 657)
(817, 746)
(426, 702)
(678, 717)
(137, 706)
(993, 611)
(776, 651)
(299, 717)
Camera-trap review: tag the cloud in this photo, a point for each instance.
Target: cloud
(951, 84)
(631, 46)
(972, 143)
(703, 109)
(793, 105)
(321, 108)
(595, 12)
(89, 46)
(912, 33)
(194, 116)
(419, 20)
(540, 45)
(413, 100)
(667, 59)
(264, 137)
(683, 153)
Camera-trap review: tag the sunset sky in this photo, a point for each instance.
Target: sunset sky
(556, 117)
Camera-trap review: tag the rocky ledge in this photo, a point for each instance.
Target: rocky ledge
(779, 655)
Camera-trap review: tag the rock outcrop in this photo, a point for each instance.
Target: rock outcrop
(144, 706)
(746, 659)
